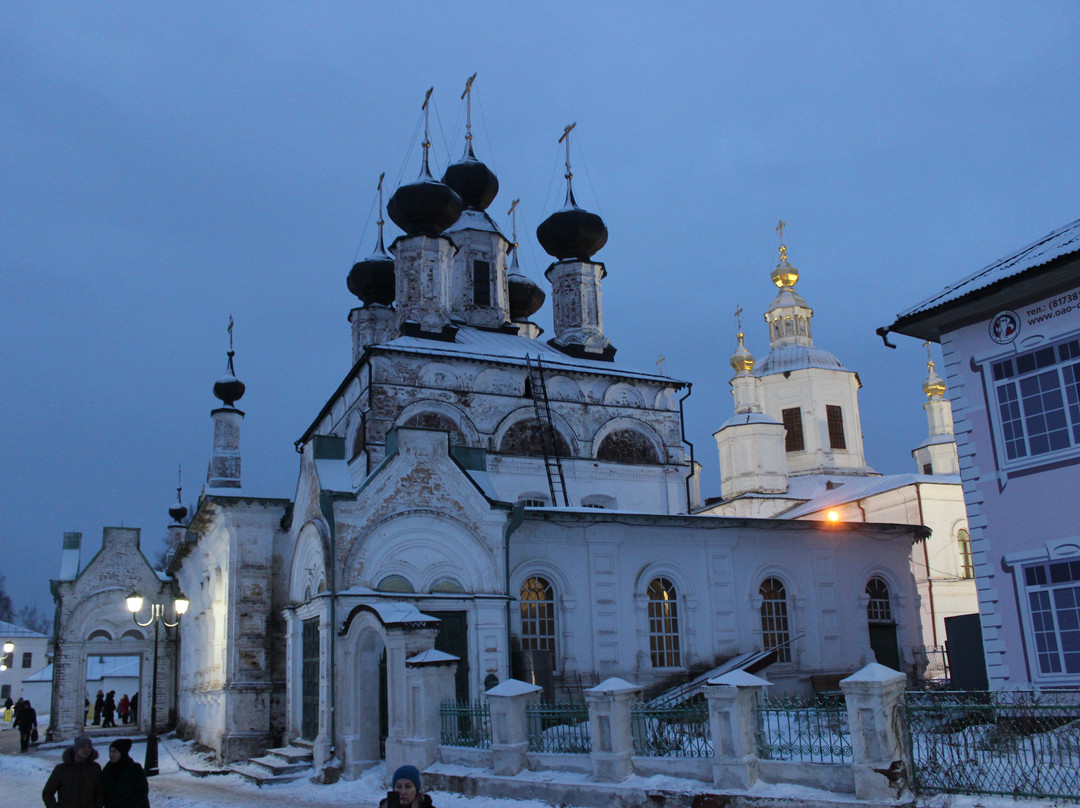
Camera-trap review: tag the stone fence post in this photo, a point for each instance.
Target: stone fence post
(877, 720)
(429, 681)
(509, 726)
(733, 699)
(609, 728)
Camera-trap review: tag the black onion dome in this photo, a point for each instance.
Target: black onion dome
(425, 207)
(229, 389)
(473, 181)
(177, 512)
(526, 297)
(572, 233)
(372, 280)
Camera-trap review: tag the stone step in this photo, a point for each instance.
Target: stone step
(261, 775)
(292, 754)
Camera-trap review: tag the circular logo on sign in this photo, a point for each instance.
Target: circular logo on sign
(1004, 327)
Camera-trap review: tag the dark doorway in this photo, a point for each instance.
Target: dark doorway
(883, 644)
(453, 639)
(384, 709)
(309, 680)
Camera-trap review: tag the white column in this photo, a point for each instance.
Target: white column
(609, 728)
(733, 699)
(509, 725)
(875, 705)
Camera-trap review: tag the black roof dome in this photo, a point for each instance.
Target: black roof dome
(229, 389)
(526, 296)
(177, 511)
(572, 232)
(473, 181)
(425, 207)
(372, 280)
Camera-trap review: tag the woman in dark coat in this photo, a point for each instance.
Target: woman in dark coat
(407, 791)
(125, 781)
(108, 712)
(75, 783)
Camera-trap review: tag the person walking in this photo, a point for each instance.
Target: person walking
(124, 779)
(26, 724)
(123, 708)
(99, 703)
(108, 711)
(407, 791)
(76, 782)
(134, 707)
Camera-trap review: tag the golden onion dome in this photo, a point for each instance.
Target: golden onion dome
(742, 361)
(934, 386)
(785, 275)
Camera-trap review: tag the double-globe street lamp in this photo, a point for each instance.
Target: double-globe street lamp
(157, 617)
(9, 649)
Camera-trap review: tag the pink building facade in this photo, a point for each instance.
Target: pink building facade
(1010, 337)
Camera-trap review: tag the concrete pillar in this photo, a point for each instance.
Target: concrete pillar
(402, 643)
(509, 725)
(609, 728)
(876, 719)
(733, 699)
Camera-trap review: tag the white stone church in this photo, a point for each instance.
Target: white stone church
(473, 493)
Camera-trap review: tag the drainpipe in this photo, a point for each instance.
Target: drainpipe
(326, 505)
(517, 516)
(926, 560)
(682, 430)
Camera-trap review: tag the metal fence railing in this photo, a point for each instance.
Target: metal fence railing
(465, 723)
(1015, 743)
(810, 729)
(672, 731)
(561, 728)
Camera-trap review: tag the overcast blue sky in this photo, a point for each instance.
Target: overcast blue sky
(167, 165)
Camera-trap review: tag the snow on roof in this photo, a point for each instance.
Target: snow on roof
(874, 672)
(475, 343)
(474, 220)
(431, 657)
(8, 630)
(1063, 241)
(851, 489)
(797, 357)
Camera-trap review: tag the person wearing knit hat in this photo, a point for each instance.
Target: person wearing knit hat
(125, 780)
(76, 782)
(407, 791)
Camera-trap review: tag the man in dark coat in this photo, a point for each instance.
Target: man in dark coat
(25, 723)
(125, 781)
(108, 710)
(99, 703)
(76, 783)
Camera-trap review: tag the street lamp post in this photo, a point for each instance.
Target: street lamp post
(157, 617)
(9, 649)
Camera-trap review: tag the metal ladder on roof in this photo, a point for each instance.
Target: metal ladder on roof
(545, 427)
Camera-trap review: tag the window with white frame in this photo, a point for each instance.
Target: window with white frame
(663, 624)
(963, 544)
(878, 607)
(1052, 592)
(1036, 402)
(538, 616)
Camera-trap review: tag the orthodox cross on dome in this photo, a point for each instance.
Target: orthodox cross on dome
(929, 356)
(738, 317)
(660, 364)
(381, 220)
(232, 353)
(780, 229)
(569, 174)
(467, 97)
(427, 137)
(512, 213)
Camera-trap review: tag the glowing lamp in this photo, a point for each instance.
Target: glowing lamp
(833, 516)
(134, 602)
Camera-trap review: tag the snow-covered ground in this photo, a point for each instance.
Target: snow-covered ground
(22, 777)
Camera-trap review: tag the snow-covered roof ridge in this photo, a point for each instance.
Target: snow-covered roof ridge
(14, 630)
(1063, 241)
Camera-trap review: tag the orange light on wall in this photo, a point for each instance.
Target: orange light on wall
(833, 516)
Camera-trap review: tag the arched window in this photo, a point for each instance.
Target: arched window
(523, 439)
(359, 440)
(663, 624)
(395, 583)
(436, 420)
(447, 586)
(774, 619)
(878, 608)
(627, 446)
(538, 616)
(963, 542)
(99, 635)
(132, 634)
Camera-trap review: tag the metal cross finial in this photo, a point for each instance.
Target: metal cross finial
(467, 96)
(780, 229)
(512, 213)
(427, 139)
(926, 345)
(660, 364)
(230, 335)
(179, 473)
(738, 317)
(566, 138)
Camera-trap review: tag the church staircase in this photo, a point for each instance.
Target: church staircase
(546, 429)
(283, 765)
